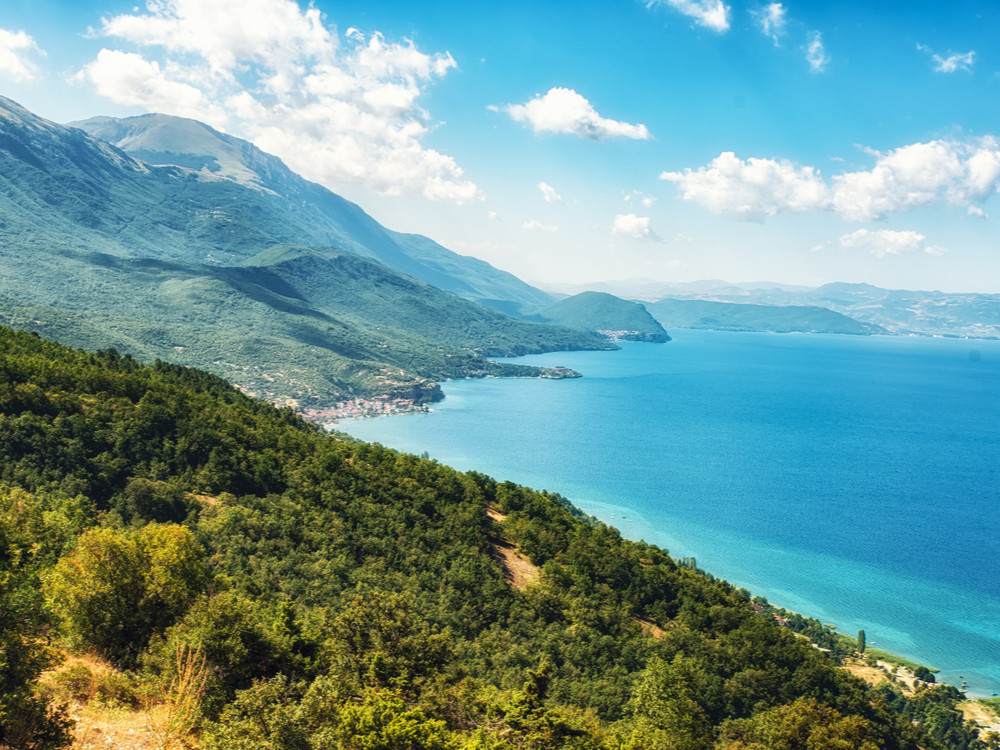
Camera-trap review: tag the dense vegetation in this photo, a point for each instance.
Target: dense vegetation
(330, 594)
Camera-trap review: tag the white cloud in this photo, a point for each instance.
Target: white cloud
(338, 110)
(950, 64)
(549, 193)
(712, 14)
(751, 189)
(563, 110)
(954, 62)
(14, 49)
(537, 226)
(772, 21)
(130, 79)
(920, 174)
(646, 200)
(636, 227)
(816, 54)
(492, 215)
(883, 242)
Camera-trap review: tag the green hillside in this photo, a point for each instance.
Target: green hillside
(277, 587)
(204, 268)
(313, 214)
(254, 327)
(613, 317)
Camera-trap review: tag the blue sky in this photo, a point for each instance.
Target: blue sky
(572, 142)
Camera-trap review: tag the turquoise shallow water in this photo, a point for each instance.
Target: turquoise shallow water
(853, 479)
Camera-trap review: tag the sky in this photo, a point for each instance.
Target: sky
(575, 142)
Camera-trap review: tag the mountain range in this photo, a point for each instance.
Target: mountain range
(220, 257)
(766, 306)
(166, 239)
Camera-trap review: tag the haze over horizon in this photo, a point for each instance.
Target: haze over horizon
(675, 140)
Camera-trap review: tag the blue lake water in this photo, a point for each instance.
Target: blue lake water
(852, 479)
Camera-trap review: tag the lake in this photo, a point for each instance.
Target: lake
(851, 479)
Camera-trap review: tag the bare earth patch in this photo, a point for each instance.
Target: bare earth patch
(983, 716)
(100, 727)
(651, 628)
(108, 713)
(517, 569)
(884, 672)
(495, 515)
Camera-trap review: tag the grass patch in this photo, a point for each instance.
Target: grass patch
(895, 660)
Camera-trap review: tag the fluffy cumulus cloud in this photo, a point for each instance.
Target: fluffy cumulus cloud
(772, 21)
(16, 47)
(960, 173)
(636, 227)
(816, 53)
(339, 109)
(883, 242)
(751, 189)
(549, 193)
(712, 14)
(562, 110)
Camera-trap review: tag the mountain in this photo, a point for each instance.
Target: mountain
(203, 268)
(897, 311)
(731, 316)
(614, 318)
(314, 214)
(929, 313)
(650, 290)
(890, 311)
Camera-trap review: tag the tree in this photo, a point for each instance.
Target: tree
(118, 588)
(26, 719)
(665, 708)
(923, 673)
(861, 641)
(805, 724)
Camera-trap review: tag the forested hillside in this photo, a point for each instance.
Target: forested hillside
(277, 587)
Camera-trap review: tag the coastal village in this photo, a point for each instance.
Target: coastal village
(376, 406)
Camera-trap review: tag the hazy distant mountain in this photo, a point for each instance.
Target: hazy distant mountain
(651, 290)
(606, 314)
(310, 212)
(198, 267)
(926, 313)
(904, 312)
(729, 316)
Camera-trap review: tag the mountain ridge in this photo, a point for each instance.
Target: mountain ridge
(159, 262)
(324, 218)
(887, 311)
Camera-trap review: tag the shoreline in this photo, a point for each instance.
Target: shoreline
(585, 490)
(363, 408)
